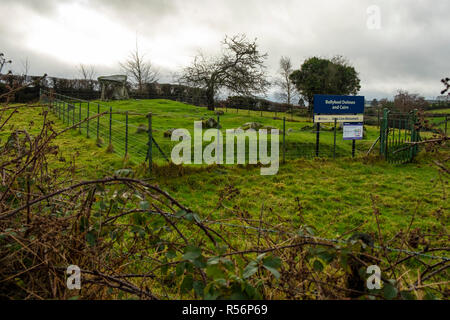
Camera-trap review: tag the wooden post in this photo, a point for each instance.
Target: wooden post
(353, 147)
(87, 123)
(79, 117)
(150, 144)
(317, 138)
(110, 125)
(334, 145)
(284, 139)
(98, 121)
(126, 133)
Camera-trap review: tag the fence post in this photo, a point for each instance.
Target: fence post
(110, 125)
(378, 118)
(353, 147)
(383, 132)
(415, 148)
(79, 118)
(98, 121)
(317, 138)
(334, 145)
(284, 139)
(63, 112)
(150, 143)
(126, 133)
(87, 122)
(73, 114)
(446, 119)
(219, 150)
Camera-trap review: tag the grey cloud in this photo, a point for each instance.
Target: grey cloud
(410, 51)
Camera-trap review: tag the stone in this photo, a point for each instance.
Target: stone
(252, 125)
(211, 123)
(141, 129)
(168, 133)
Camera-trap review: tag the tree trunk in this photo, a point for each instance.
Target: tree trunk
(210, 99)
(311, 107)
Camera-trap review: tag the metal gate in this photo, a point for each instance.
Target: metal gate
(396, 131)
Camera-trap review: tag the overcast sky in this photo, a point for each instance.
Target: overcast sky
(409, 50)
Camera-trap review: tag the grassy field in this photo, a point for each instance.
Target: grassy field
(325, 198)
(300, 134)
(440, 111)
(335, 197)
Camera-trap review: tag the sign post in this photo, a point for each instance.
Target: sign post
(353, 131)
(348, 110)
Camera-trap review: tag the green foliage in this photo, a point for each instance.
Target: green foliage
(323, 76)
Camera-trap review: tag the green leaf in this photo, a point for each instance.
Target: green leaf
(430, 296)
(171, 254)
(389, 291)
(213, 261)
(273, 271)
(187, 284)
(317, 265)
(260, 257)
(192, 253)
(91, 238)
(180, 213)
(138, 219)
(214, 272)
(198, 288)
(406, 295)
(326, 255)
(250, 270)
(180, 268)
(227, 263)
(272, 261)
(199, 262)
(84, 223)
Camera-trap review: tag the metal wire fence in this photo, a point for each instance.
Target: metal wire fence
(129, 133)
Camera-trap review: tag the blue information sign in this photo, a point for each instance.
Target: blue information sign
(332, 104)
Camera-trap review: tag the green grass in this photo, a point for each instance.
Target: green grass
(89, 160)
(333, 196)
(439, 111)
(166, 114)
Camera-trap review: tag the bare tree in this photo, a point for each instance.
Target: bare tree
(25, 67)
(3, 61)
(287, 91)
(446, 82)
(239, 69)
(405, 101)
(87, 72)
(139, 69)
